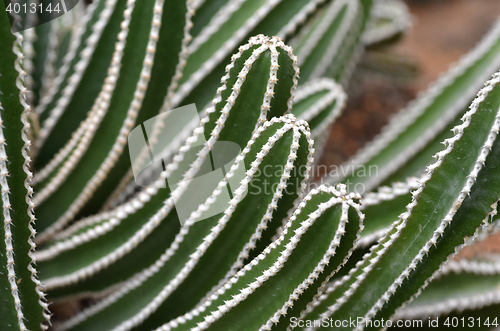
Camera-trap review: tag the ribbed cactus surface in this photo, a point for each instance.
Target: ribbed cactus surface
(88, 218)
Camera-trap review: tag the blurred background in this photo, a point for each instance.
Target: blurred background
(391, 75)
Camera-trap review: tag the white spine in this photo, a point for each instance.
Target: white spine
(407, 116)
(74, 80)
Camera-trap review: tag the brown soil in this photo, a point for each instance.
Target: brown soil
(389, 77)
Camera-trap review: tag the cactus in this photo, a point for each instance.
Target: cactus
(460, 295)
(283, 252)
(23, 303)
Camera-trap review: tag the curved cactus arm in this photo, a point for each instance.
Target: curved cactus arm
(285, 101)
(460, 285)
(310, 229)
(64, 30)
(322, 43)
(96, 115)
(216, 44)
(150, 92)
(297, 182)
(205, 63)
(159, 95)
(187, 272)
(40, 51)
(289, 80)
(436, 220)
(338, 287)
(312, 292)
(389, 19)
(71, 61)
(428, 115)
(80, 79)
(52, 43)
(381, 209)
(319, 103)
(71, 54)
(111, 132)
(487, 224)
(42, 48)
(23, 304)
(330, 43)
(264, 109)
(352, 49)
(281, 92)
(68, 53)
(236, 122)
(342, 286)
(135, 282)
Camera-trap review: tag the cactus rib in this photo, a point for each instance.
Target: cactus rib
(24, 306)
